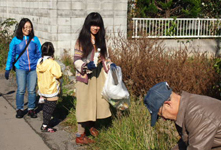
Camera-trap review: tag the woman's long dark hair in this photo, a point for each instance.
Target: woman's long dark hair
(84, 38)
(19, 33)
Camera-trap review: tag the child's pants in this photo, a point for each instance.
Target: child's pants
(48, 110)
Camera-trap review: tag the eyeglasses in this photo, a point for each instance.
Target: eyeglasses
(160, 113)
(27, 28)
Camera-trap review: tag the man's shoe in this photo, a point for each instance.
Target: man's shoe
(83, 140)
(32, 114)
(19, 113)
(94, 131)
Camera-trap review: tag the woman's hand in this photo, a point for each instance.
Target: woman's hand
(113, 65)
(91, 65)
(7, 74)
(99, 59)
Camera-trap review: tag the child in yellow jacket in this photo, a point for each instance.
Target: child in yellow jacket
(48, 73)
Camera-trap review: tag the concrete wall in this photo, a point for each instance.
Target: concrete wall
(211, 46)
(60, 21)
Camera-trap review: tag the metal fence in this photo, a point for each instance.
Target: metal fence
(176, 28)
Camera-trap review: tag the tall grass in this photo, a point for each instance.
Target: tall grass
(133, 131)
(68, 61)
(145, 62)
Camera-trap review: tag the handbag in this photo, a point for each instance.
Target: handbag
(13, 64)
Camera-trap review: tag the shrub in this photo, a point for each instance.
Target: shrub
(5, 39)
(68, 61)
(145, 62)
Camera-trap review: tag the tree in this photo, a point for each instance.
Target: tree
(168, 8)
(211, 8)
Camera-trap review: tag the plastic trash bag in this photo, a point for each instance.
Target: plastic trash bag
(114, 91)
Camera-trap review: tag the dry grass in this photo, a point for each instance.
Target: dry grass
(144, 63)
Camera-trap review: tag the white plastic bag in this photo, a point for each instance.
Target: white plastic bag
(41, 100)
(114, 90)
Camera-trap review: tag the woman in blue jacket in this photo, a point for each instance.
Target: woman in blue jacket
(25, 66)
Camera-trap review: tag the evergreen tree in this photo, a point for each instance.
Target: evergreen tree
(168, 8)
(211, 8)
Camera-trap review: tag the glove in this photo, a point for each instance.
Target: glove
(91, 65)
(113, 66)
(7, 74)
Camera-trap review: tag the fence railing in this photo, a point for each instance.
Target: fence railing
(176, 28)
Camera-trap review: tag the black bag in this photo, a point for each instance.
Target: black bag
(13, 64)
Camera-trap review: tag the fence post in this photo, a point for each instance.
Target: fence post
(198, 27)
(136, 28)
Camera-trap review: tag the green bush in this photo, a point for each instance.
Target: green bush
(5, 39)
(68, 61)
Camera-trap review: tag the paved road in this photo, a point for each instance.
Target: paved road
(25, 134)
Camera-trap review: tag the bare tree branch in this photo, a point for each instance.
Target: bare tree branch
(174, 9)
(158, 6)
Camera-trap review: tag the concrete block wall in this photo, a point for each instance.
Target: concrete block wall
(60, 21)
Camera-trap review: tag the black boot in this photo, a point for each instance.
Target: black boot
(20, 113)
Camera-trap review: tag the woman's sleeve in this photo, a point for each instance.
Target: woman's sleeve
(11, 54)
(78, 62)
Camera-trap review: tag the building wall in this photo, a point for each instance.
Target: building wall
(211, 46)
(59, 21)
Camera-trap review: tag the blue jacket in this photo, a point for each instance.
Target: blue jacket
(28, 60)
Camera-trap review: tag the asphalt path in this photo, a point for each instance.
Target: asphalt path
(25, 133)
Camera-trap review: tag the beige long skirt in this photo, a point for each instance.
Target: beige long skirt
(90, 104)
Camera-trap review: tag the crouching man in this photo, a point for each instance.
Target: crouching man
(197, 117)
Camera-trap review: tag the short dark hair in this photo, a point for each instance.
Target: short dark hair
(47, 49)
(19, 33)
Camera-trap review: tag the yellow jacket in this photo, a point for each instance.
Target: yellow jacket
(48, 73)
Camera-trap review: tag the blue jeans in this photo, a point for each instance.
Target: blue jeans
(26, 79)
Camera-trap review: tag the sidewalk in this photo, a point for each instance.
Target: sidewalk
(16, 134)
(25, 134)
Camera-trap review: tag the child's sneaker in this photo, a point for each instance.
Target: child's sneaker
(47, 129)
